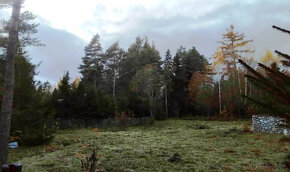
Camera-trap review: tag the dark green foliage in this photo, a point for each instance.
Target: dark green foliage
(167, 81)
(82, 101)
(26, 29)
(32, 108)
(185, 63)
(92, 66)
(142, 85)
(139, 84)
(275, 85)
(64, 98)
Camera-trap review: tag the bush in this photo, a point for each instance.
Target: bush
(122, 120)
(224, 115)
(37, 137)
(251, 110)
(286, 162)
(246, 128)
(90, 164)
(29, 123)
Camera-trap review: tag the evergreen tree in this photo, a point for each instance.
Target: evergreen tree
(178, 91)
(276, 83)
(185, 63)
(139, 55)
(167, 77)
(130, 65)
(6, 111)
(63, 98)
(78, 101)
(27, 28)
(92, 66)
(146, 83)
(32, 106)
(113, 56)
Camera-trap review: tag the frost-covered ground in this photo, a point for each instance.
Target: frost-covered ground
(202, 146)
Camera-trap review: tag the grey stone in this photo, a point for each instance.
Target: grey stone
(269, 124)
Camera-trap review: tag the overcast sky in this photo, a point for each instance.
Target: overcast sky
(66, 26)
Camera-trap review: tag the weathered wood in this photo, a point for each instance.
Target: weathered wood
(15, 167)
(5, 168)
(11, 168)
(5, 116)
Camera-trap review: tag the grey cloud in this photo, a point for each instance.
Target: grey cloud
(254, 18)
(63, 51)
(169, 30)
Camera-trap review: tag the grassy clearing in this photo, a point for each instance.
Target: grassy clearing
(172, 145)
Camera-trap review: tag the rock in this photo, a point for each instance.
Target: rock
(269, 124)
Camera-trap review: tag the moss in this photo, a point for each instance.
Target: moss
(220, 147)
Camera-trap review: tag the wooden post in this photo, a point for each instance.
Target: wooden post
(15, 167)
(11, 168)
(5, 168)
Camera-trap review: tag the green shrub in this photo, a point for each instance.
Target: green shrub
(32, 122)
(37, 137)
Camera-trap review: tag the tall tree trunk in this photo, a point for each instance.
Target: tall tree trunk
(246, 86)
(114, 83)
(151, 102)
(166, 102)
(114, 89)
(6, 113)
(220, 97)
(95, 81)
(250, 89)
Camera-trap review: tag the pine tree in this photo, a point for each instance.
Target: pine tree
(167, 77)
(146, 83)
(6, 111)
(64, 96)
(27, 28)
(185, 63)
(92, 66)
(178, 88)
(276, 83)
(129, 65)
(113, 56)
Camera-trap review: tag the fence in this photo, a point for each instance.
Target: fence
(98, 123)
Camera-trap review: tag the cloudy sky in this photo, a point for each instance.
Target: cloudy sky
(66, 26)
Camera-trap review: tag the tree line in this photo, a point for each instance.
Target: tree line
(139, 82)
(136, 82)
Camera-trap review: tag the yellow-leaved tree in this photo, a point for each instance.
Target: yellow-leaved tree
(233, 46)
(269, 58)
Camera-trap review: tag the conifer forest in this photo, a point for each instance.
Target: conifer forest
(144, 85)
